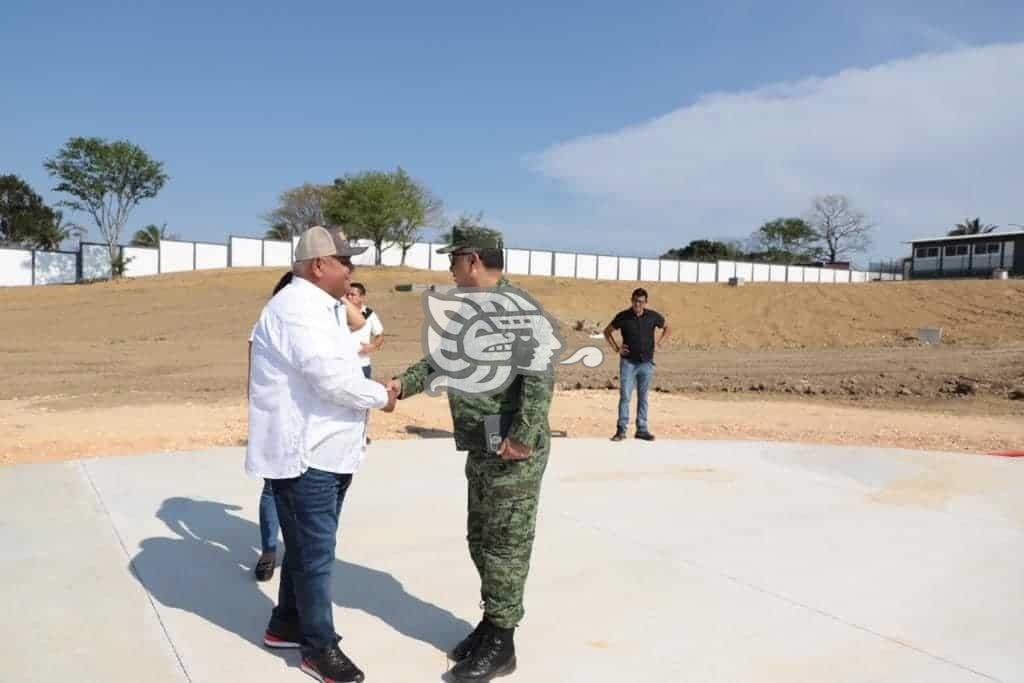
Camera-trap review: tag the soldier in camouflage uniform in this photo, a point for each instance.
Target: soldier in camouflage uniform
(503, 488)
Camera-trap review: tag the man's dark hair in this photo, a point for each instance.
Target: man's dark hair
(359, 286)
(493, 259)
(283, 282)
(637, 293)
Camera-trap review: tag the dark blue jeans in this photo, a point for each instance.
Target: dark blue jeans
(638, 375)
(308, 507)
(269, 525)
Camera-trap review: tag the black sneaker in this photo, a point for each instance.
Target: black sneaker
(332, 666)
(645, 436)
(619, 436)
(283, 636)
(264, 570)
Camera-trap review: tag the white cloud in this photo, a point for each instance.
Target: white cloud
(916, 143)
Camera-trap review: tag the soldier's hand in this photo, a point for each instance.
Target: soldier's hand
(511, 449)
(624, 351)
(395, 385)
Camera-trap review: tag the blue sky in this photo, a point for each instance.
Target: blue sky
(599, 126)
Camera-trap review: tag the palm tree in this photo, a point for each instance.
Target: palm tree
(49, 236)
(278, 231)
(972, 226)
(150, 236)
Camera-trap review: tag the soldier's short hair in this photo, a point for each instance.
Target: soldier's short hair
(493, 259)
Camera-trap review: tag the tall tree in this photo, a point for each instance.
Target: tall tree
(706, 250)
(972, 226)
(151, 236)
(23, 215)
(785, 240)
(299, 209)
(367, 205)
(842, 229)
(417, 208)
(106, 180)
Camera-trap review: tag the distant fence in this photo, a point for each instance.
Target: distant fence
(20, 267)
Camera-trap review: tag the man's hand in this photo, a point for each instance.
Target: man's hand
(365, 349)
(392, 397)
(394, 385)
(510, 449)
(624, 350)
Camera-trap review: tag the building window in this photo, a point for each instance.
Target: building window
(994, 248)
(961, 250)
(933, 252)
(951, 250)
(922, 252)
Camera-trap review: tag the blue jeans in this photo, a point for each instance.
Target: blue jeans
(269, 525)
(308, 507)
(639, 375)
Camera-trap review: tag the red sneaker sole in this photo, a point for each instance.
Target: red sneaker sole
(279, 643)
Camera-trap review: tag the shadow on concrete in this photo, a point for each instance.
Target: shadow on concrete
(207, 571)
(428, 432)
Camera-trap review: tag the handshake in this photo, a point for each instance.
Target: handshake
(394, 389)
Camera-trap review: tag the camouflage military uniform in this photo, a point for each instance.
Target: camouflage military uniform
(503, 494)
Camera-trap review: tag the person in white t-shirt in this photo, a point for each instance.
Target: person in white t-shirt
(371, 335)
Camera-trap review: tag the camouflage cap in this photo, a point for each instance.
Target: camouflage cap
(471, 240)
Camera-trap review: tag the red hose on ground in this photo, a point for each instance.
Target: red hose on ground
(1009, 454)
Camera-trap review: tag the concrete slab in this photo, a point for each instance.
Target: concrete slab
(696, 561)
(73, 610)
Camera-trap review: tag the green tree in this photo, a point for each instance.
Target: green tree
(416, 208)
(151, 235)
(23, 215)
(472, 226)
(50, 236)
(298, 210)
(278, 231)
(785, 240)
(106, 180)
(972, 226)
(367, 206)
(706, 250)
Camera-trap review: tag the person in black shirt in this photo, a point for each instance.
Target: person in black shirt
(636, 359)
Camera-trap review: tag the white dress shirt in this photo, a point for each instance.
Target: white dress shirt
(308, 398)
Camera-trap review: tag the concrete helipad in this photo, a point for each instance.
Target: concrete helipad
(671, 561)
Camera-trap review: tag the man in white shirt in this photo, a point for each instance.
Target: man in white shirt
(308, 402)
(369, 336)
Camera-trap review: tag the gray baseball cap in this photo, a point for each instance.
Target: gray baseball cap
(319, 242)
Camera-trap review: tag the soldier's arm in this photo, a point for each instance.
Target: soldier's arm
(531, 419)
(414, 379)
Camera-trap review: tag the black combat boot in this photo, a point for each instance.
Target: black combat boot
(467, 644)
(494, 655)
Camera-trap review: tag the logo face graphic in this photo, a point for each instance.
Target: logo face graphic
(478, 340)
